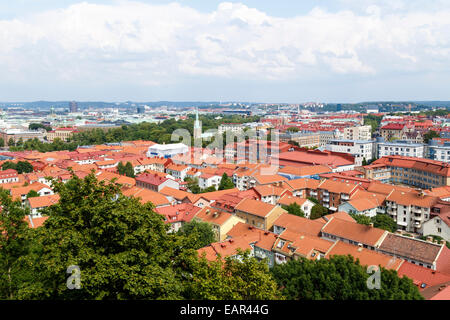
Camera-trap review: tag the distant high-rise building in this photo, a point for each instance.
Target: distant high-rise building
(73, 106)
(141, 109)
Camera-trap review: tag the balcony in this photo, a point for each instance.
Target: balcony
(326, 205)
(325, 193)
(313, 193)
(345, 196)
(326, 199)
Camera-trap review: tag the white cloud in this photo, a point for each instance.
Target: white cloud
(157, 44)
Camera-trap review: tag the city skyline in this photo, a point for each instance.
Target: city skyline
(328, 51)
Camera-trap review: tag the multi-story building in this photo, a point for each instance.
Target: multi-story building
(360, 149)
(332, 193)
(301, 157)
(73, 106)
(178, 171)
(304, 140)
(62, 133)
(380, 172)
(326, 136)
(254, 150)
(155, 182)
(236, 128)
(257, 213)
(439, 223)
(392, 130)
(409, 209)
(400, 148)
(9, 176)
(417, 172)
(358, 133)
(19, 134)
(439, 152)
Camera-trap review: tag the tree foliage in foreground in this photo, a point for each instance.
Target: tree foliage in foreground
(339, 278)
(14, 245)
(231, 279)
(381, 221)
(122, 249)
(201, 233)
(294, 209)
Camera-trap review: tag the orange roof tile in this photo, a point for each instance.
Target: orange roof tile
(365, 256)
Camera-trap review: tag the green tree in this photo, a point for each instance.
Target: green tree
(32, 194)
(24, 167)
(8, 165)
(385, 222)
(339, 278)
(121, 246)
(318, 211)
(121, 168)
(200, 234)
(226, 182)
(314, 200)
(129, 171)
(430, 135)
(11, 142)
(209, 189)
(364, 162)
(361, 218)
(294, 209)
(14, 245)
(233, 279)
(2, 142)
(192, 185)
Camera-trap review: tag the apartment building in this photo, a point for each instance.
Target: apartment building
(392, 130)
(439, 223)
(380, 172)
(360, 149)
(155, 182)
(178, 171)
(9, 176)
(410, 209)
(331, 193)
(438, 152)
(301, 157)
(358, 133)
(417, 172)
(221, 222)
(236, 128)
(19, 134)
(62, 133)
(304, 139)
(366, 236)
(400, 148)
(258, 214)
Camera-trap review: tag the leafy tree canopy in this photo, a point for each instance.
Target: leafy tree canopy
(294, 209)
(339, 278)
(226, 182)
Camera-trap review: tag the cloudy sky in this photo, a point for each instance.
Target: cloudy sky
(202, 50)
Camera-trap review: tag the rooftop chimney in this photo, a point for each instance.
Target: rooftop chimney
(371, 224)
(430, 239)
